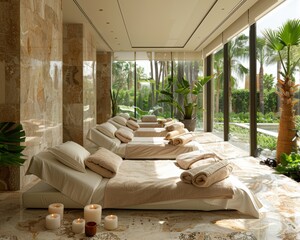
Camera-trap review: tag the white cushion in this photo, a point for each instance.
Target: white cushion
(107, 128)
(71, 154)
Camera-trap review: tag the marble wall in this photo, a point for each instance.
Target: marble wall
(31, 73)
(79, 85)
(104, 75)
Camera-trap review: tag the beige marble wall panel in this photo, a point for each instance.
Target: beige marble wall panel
(41, 75)
(73, 83)
(79, 54)
(104, 74)
(89, 86)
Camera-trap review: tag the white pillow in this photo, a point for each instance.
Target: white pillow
(120, 120)
(124, 135)
(132, 125)
(71, 154)
(107, 128)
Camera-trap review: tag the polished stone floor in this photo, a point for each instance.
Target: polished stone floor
(279, 217)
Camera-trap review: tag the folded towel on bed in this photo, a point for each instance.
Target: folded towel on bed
(175, 133)
(204, 177)
(174, 126)
(181, 139)
(187, 160)
(149, 118)
(104, 162)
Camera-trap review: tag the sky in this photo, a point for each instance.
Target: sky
(289, 9)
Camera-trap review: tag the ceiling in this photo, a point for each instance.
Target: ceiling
(156, 25)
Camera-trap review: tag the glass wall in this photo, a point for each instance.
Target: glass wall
(122, 93)
(238, 54)
(218, 89)
(155, 71)
(268, 68)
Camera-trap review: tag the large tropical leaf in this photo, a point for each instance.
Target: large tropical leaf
(11, 135)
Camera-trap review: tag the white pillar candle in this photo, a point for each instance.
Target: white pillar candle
(78, 225)
(57, 208)
(92, 213)
(111, 222)
(53, 221)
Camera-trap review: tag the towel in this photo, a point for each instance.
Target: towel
(187, 160)
(175, 133)
(149, 118)
(174, 126)
(182, 139)
(205, 177)
(104, 162)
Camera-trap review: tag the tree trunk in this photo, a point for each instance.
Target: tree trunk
(261, 90)
(287, 124)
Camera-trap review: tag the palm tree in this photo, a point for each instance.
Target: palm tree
(264, 57)
(283, 41)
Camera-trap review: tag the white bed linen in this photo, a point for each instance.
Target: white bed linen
(142, 147)
(76, 189)
(150, 132)
(78, 186)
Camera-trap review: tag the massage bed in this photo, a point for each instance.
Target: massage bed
(141, 147)
(140, 185)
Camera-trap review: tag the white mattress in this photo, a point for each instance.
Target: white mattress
(70, 191)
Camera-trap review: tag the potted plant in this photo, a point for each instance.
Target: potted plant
(189, 92)
(11, 156)
(283, 41)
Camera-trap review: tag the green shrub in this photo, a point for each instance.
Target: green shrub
(290, 166)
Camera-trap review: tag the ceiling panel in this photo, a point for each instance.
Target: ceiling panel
(162, 24)
(156, 25)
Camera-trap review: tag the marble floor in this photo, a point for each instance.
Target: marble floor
(279, 217)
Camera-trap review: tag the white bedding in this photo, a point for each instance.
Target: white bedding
(142, 147)
(84, 188)
(150, 132)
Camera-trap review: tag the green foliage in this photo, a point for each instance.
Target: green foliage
(290, 165)
(268, 81)
(189, 92)
(240, 100)
(114, 102)
(265, 141)
(11, 135)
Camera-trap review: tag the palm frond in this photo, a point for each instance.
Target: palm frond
(11, 135)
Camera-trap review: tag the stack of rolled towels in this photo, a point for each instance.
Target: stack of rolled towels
(177, 134)
(203, 169)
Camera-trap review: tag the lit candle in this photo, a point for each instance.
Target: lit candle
(90, 229)
(78, 225)
(57, 208)
(111, 222)
(53, 221)
(92, 213)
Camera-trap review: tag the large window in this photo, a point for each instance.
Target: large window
(218, 90)
(268, 71)
(137, 83)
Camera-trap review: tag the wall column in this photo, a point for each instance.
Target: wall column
(79, 95)
(104, 80)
